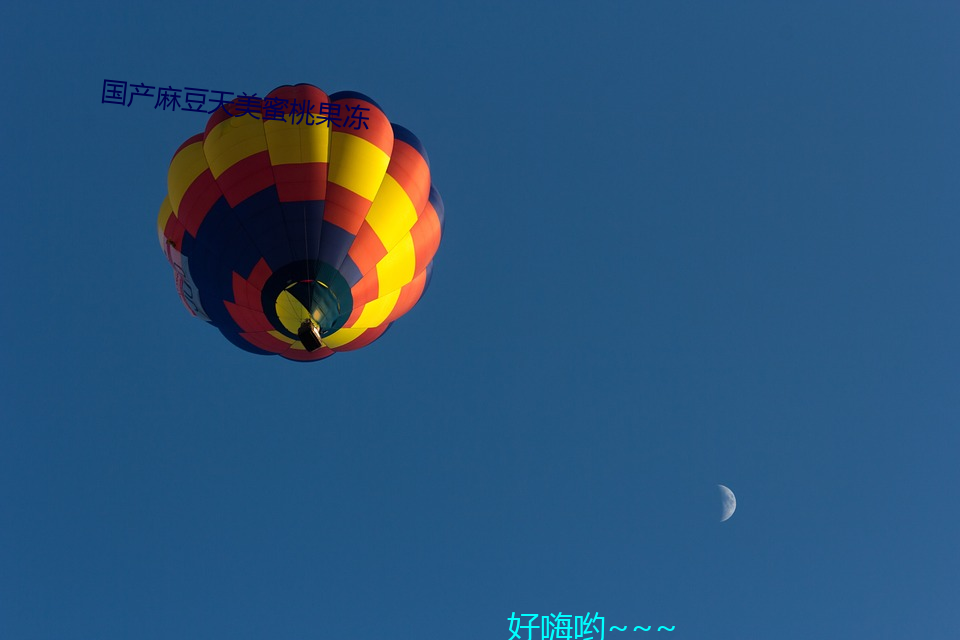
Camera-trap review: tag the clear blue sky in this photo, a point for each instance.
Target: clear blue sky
(686, 243)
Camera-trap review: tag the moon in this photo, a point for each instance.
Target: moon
(728, 502)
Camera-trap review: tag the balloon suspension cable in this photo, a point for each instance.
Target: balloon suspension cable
(306, 262)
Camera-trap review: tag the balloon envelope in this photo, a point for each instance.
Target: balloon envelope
(277, 220)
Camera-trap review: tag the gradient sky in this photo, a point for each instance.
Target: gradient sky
(686, 243)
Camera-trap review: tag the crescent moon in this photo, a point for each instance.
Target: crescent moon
(728, 502)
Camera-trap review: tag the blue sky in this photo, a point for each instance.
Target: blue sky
(686, 243)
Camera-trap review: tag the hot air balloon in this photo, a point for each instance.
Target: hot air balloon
(300, 235)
